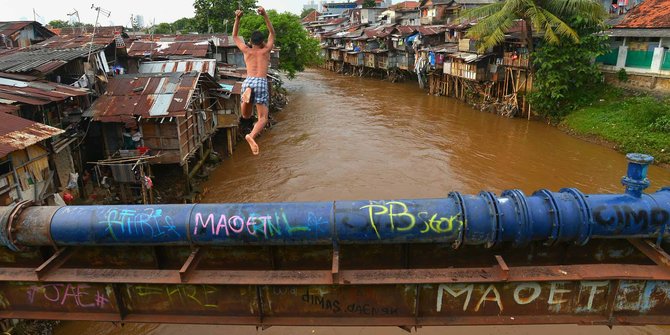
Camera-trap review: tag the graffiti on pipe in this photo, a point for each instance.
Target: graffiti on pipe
(147, 222)
(622, 216)
(402, 220)
(259, 226)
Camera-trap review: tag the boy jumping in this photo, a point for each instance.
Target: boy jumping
(255, 88)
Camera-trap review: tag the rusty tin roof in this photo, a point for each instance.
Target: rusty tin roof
(17, 133)
(168, 49)
(182, 65)
(155, 95)
(29, 90)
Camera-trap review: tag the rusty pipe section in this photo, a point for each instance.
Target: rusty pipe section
(484, 219)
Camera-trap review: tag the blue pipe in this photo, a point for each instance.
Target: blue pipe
(567, 216)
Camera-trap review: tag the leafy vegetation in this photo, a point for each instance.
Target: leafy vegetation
(210, 15)
(546, 16)
(298, 49)
(632, 123)
(565, 76)
(369, 4)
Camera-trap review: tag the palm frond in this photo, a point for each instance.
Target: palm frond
(481, 12)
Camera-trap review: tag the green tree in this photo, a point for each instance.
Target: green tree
(306, 12)
(565, 76)
(58, 24)
(298, 49)
(163, 28)
(546, 16)
(185, 25)
(210, 14)
(369, 3)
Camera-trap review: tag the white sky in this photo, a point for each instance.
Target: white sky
(160, 10)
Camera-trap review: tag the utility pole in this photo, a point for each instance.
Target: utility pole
(97, 17)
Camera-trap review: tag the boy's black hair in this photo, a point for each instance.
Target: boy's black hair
(257, 38)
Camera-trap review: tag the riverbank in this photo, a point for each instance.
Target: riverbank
(627, 122)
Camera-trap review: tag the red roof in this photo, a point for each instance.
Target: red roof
(17, 133)
(311, 17)
(649, 14)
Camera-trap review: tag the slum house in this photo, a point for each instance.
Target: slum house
(64, 59)
(55, 105)
(160, 118)
(322, 28)
(228, 99)
(377, 46)
(336, 43)
(21, 34)
(640, 44)
(352, 54)
(433, 12)
(405, 13)
(402, 38)
(25, 174)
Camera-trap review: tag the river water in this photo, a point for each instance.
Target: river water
(345, 138)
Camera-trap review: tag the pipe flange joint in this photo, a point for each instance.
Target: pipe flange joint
(586, 226)
(522, 211)
(496, 229)
(554, 214)
(458, 199)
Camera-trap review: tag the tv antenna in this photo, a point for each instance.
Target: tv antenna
(104, 12)
(77, 22)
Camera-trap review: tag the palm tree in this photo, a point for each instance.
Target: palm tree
(545, 16)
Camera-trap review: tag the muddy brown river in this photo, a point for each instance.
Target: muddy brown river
(345, 138)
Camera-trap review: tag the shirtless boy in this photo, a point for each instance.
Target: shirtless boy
(255, 88)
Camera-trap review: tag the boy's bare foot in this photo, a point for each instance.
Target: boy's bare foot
(252, 143)
(246, 96)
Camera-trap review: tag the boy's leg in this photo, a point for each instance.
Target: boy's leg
(263, 111)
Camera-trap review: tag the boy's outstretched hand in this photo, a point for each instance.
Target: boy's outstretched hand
(261, 11)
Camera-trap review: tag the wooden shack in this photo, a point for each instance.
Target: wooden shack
(171, 114)
(24, 160)
(354, 58)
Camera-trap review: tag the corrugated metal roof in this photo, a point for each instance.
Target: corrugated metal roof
(183, 65)
(647, 15)
(9, 28)
(168, 49)
(35, 92)
(431, 30)
(145, 95)
(29, 59)
(75, 41)
(17, 133)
